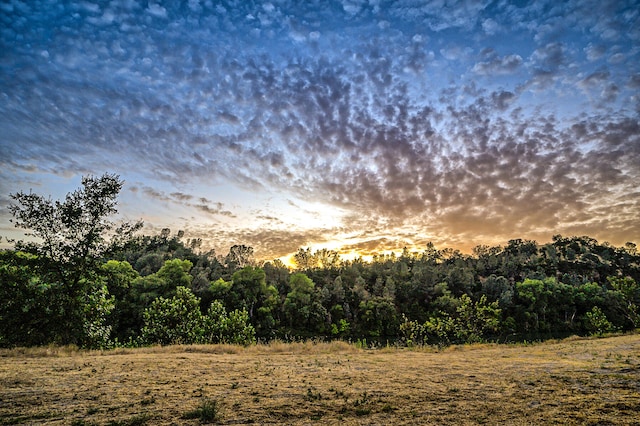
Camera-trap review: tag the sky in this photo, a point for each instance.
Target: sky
(356, 125)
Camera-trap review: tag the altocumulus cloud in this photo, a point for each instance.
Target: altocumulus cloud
(460, 123)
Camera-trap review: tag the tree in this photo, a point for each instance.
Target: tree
(240, 256)
(120, 277)
(597, 322)
(24, 320)
(476, 320)
(248, 285)
(72, 237)
(175, 273)
(233, 328)
(534, 297)
(175, 320)
(379, 317)
(178, 320)
(73, 233)
(297, 304)
(304, 259)
(627, 293)
(97, 307)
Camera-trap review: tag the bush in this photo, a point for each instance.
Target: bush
(174, 321)
(597, 322)
(208, 411)
(178, 320)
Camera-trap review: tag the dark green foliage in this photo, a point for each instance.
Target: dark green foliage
(72, 233)
(25, 314)
(596, 321)
(64, 299)
(77, 286)
(379, 317)
(178, 320)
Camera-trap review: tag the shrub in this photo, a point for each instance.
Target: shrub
(207, 412)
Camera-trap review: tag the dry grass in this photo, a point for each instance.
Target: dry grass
(574, 381)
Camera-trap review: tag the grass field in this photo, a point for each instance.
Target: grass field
(573, 381)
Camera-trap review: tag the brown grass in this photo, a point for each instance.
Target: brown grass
(574, 381)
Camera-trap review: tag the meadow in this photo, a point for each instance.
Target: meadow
(571, 381)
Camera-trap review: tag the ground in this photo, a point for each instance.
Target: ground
(573, 381)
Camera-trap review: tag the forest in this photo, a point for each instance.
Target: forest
(86, 280)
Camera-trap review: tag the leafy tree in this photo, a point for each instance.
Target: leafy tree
(240, 256)
(178, 320)
(249, 285)
(533, 296)
(498, 288)
(25, 317)
(475, 321)
(71, 239)
(379, 317)
(277, 275)
(126, 317)
(302, 306)
(412, 333)
(144, 290)
(266, 318)
(304, 259)
(175, 320)
(73, 234)
(220, 288)
(175, 273)
(628, 297)
(597, 322)
(440, 330)
(97, 308)
(237, 329)
(297, 304)
(444, 302)
(150, 263)
(341, 328)
(119, 277)
(326, 259)
(232, 328)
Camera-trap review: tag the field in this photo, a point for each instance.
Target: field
(573, 381)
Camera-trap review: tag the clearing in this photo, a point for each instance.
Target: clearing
(572, 381)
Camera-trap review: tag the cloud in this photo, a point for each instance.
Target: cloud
(455, 53)
(214, 210)
(374, 246)
(594, 79)
(268, 243)
(201, 204)
(157, 10)
(181, 196)
(595, 52)
(502, 99)
(440, 16)
(490, 26)
(549, 57)
(494, 65)
(634, 81)
(346, 105)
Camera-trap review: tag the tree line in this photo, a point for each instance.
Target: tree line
(89, 281)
